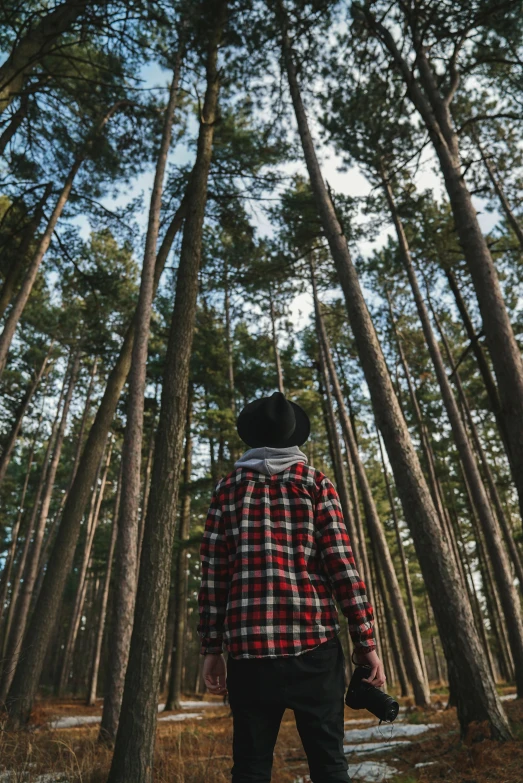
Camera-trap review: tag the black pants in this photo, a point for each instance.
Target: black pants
(313, 685)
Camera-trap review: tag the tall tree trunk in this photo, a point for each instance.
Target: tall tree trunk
(135, 739)
(32, 270)
(230, 354)
(26, 400)
(478, 699)
(19, 609)
(483, 366)
(31, 48)
(147, 479)
(49, 540)
(489, 523)
(503, 348)
(377, 534)
(17, 267)
(93, 678)
(10, 558)
(25, 683)
(404, 566)
(13, 125)
(180, 588)
(511, 218)
(342, 484)
(487, 472)
(126, 565)
(91, 527)
(274, 334)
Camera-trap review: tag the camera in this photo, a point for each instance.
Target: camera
(363, 696)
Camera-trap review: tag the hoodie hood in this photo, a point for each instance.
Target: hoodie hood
(269, 460)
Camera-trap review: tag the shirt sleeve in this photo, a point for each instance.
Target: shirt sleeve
(214, 589)
(336, 554)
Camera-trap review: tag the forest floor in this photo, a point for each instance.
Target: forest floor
(195, 746)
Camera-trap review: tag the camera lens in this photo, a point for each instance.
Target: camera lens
(381, 705)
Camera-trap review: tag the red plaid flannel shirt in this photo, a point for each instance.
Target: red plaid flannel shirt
(274, 551)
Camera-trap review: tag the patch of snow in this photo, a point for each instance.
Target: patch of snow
(373, 747)
(384, 733)
(182, 716)
(508, 696)
(191, 705)
(71, 720)
(352, 721)
(424, 764)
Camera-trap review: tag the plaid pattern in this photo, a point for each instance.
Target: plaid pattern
(274, 551)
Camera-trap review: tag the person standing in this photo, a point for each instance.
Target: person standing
(274, 554)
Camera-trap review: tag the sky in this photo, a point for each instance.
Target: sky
(351, 183)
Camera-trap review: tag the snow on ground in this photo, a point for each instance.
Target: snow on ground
(385, 733)
(69, 721)
(508, 696)
(373, 747)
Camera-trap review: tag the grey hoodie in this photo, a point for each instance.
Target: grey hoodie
(269, 460)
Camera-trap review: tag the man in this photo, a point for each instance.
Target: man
(274, 551)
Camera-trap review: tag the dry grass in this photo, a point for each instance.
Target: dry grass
(199, 751)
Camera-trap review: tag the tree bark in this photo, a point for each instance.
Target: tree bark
(28, 673)
(377, 534)
(17, 424)
(14, 124)
(38, 41)
(404, 567)
(17, 267)
(10, 558)
(92, 524)
(49, 539)
(180, 590)
(19, 609)
(127, 546)
(32, 270)
(135, 739)
(277, 358)
(93, 679)
(504, 351)
(489, 523)
(479, 700)
(511, 218)
(491, 484)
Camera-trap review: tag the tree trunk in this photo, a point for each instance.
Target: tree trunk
(180, 589)
(491, 485)
(32, 270)
(14, 124)
(38, 41)
(376, 532)
(277, 359)
(17, 267)
(404, 567)
(126, 565)
(49, 540)
(13, 638)
(503, 348)
(15, 429)
(479, 700)
(489, 524)
(483, 366)
(92, 524)
(339, 468)
(93, 680)
(147, 482)
(10, 558)
(135, 739)
(26, 680)
(511, 218)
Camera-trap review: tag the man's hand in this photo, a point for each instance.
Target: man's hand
(377, 675)
(214, 673)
